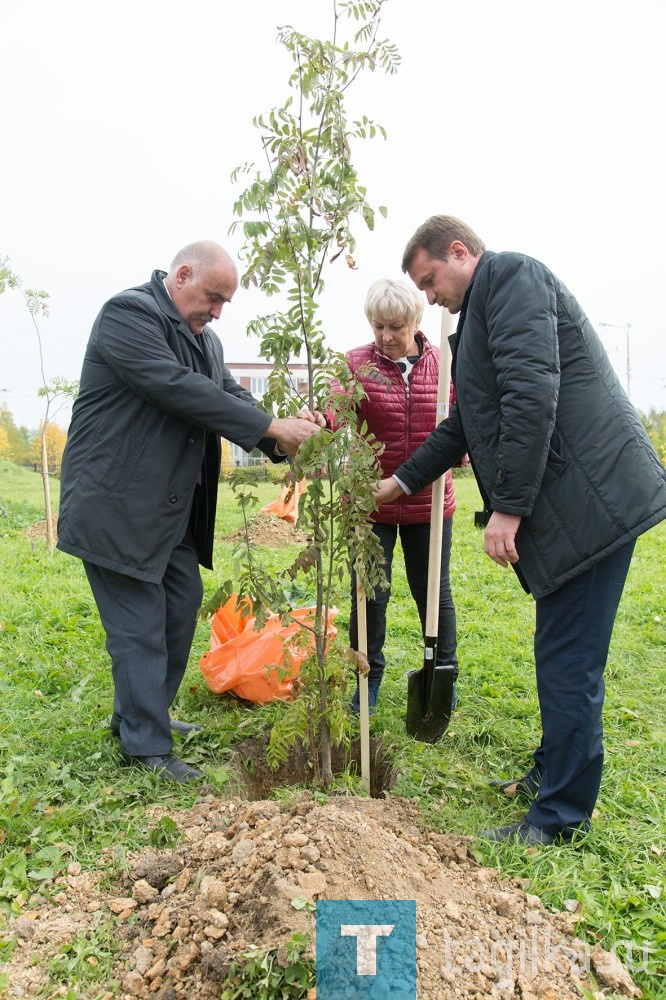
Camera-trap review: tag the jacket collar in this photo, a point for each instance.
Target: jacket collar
(425, 347)
(454, 339)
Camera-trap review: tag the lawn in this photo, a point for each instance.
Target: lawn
(63, 795)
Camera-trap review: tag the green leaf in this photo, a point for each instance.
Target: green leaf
(41, 874)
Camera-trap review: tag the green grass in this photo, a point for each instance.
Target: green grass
(19, 484)
(64, 797)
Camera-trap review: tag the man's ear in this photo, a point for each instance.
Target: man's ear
(183, 273)
(459, 251)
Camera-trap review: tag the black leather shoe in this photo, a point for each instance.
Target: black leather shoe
(182, 728)
(518, 833)
(516, 788)
(165, 766)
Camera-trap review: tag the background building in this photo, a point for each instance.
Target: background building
(254, 376)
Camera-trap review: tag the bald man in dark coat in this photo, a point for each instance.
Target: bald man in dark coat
(139, 482)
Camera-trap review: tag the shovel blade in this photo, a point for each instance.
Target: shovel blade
(429, 702)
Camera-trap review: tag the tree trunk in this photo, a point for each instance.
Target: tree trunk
(321, 626)
(50, 541)
(326, 763)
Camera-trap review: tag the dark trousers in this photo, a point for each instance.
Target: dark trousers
(149, 630)
(415, 540)
(573, 633)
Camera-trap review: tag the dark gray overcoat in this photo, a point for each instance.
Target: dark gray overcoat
(143, 450)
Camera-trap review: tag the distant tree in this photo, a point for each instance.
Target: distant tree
(36, 303)
(655, 424)
(228, 463)
(5, 447)
(55, 438)
(18, 438)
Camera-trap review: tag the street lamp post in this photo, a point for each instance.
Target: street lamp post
(625, 329)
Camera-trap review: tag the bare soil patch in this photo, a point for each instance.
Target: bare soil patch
(271, 531)
(181, 915)
(38, 529)
(258, 781)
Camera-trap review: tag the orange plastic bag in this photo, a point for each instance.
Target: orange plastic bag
(239, 657)
(286, 505)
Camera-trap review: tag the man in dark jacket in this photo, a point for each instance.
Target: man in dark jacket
(139, 482)
(569, 479)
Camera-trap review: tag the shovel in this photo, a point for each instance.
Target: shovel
(430, 689)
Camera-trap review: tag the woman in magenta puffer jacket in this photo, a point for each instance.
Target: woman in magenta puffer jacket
(400, 410)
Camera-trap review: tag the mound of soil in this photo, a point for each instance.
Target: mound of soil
(38, 529)
(182, 915)
(273, 532)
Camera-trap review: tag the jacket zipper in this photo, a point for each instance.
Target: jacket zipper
(405, 386)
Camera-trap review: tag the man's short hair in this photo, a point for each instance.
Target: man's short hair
(436, 235)
(200, 255)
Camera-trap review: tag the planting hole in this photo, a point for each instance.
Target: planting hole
(258, 781)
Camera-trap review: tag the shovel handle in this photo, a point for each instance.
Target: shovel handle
(435, 549)
(364, 707)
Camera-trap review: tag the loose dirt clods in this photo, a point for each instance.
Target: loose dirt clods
(270, 531)
(182, 915)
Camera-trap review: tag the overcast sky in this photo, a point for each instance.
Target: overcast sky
(540, 123)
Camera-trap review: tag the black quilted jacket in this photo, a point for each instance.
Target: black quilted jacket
(549, 430)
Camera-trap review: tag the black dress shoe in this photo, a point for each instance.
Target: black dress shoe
(182, 728)
(165, 766)
(519, 833)
(516, 788)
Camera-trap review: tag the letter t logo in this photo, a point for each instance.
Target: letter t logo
(366, 944)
